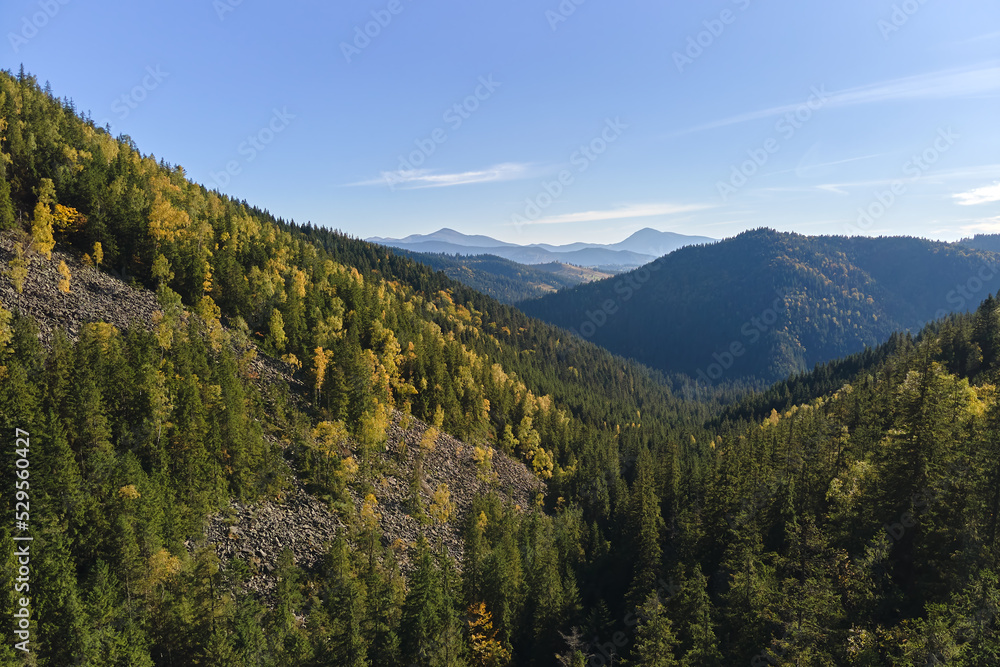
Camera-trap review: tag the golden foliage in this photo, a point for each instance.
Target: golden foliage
(441, 509)
(129, 492)
(330, 438)
(162, 566)
(369, 514)
(486, 650)
(18, 271)
(428, 441)
(65, 277)
(67, 220)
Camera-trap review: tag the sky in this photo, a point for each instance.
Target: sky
(540, 121)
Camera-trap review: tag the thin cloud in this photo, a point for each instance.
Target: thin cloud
(933, 85)
(982, 38)
(426, 178)
(983, 226)
(944, 176)
(633, 211)
(983, 195)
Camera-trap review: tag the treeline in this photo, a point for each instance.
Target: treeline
(764, 304)
(848, 516)
(368, 331)
(503, 279)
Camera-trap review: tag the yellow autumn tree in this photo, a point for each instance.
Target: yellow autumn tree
(161, 267)
(42, 241)
(428, 441)
(18, 268)
(486, 650)
(441, 509)
(329, 438)
(276, 327)
(165, 221)
(161, 567)
(211, 315)
(321, 360)
(67, 220)
(64, 277)
(483, 456)
(98, 254)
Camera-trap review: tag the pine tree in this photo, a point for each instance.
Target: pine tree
(646, 525)
(694, 617)
(7, 220)
(423, 610)
(655, 638)
(346, 606)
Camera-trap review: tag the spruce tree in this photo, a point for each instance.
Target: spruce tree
(655, 638)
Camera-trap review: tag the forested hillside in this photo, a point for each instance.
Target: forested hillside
(764, 304)
(855, 526)
(371, 333)
(504, 280)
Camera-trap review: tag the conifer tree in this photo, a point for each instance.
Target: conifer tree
(7, 220)
(695, 617)
(646, 526)
(655, 638)
(346, 606)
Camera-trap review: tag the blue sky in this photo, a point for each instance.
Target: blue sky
(540, 121)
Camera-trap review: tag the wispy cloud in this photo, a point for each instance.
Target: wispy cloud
(983, 226)
(983, 195)
(426, 178)
(931, 177)
(802, 169)
(932, 85)
(982, 38)
(621, 213)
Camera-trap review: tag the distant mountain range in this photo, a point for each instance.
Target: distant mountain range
(766, 304)
(505, 280)
(640, 248)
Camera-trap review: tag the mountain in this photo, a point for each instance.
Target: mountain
(247, 441)
(646, 241)
(640, 248)
(255, 367)
(504, 280)
(444, 235)
(988, 242)
(764, 304)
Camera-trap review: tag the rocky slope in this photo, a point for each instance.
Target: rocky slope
(258, 533)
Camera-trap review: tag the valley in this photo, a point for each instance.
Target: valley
(256, 441)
